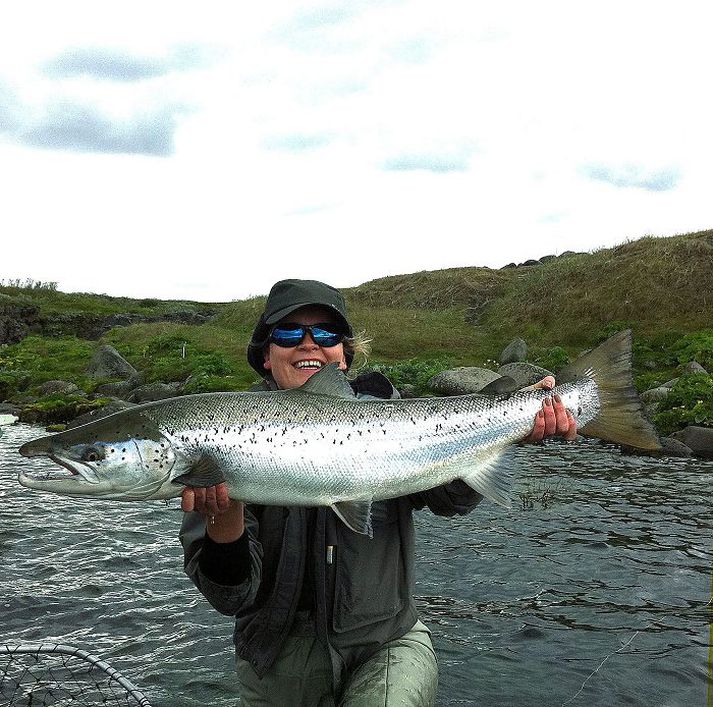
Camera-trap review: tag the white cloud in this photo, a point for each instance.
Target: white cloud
(203, 151)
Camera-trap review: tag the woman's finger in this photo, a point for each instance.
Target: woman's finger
(188, 500)
(550, 419)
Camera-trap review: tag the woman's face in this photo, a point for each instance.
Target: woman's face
(291, 367)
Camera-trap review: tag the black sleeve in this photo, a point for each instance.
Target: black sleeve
(450, 499)
(374, 384)
(225, 563)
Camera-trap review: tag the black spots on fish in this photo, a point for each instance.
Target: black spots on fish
(413, 420)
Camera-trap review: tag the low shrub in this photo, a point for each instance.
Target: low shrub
(56, 409)
(412, 372)
(695, 347)
(689, 402)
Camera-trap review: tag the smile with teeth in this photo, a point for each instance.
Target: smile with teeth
(309, 363)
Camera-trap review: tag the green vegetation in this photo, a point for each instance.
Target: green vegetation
(695, 347)
(419, 324)
(414, 372)
(56, 409)
(690, 402)
(50, 301)
(163, 351)
(38, 359)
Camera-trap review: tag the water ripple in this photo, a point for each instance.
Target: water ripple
(593, 592)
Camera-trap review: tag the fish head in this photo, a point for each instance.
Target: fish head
(122, 457)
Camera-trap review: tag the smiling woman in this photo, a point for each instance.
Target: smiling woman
(324, 609)
(291, 358)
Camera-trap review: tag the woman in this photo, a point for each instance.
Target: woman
(323, 615)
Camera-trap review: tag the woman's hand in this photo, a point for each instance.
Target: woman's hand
(554, 420)
(225, 519)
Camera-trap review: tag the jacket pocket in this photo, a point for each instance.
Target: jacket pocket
(371, 582)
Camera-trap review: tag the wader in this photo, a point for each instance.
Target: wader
(403, 672)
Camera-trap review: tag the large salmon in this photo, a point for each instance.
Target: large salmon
(320, 445)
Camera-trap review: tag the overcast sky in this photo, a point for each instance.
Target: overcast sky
(204, 150)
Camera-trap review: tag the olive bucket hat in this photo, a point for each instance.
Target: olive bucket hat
(285, 297)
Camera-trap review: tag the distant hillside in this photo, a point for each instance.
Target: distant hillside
(660, 287)
(652, 284)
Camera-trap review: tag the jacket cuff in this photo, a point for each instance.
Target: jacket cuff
(225, 563)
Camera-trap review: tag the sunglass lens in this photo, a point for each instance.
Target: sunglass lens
(288, 336)
(325, 335)
(291, 335)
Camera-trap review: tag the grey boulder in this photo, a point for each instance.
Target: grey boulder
(698, 439)
(462, 381)
(524, 373)
(107, 362)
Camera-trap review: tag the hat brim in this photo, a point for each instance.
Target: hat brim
(286, 311)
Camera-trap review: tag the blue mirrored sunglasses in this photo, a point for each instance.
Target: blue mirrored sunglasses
(288, 335)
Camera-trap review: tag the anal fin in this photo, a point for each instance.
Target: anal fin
(490, 477)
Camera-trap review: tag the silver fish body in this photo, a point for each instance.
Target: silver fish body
(316, 445)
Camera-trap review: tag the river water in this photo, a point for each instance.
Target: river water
(593, 589)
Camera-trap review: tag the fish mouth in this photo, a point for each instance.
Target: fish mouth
(71, 470)
(76, 468)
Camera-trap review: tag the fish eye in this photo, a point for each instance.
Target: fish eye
(92, 454)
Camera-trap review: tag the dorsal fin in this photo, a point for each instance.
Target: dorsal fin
(328, 381)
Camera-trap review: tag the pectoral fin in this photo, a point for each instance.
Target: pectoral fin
(356, 515)
(205, 472)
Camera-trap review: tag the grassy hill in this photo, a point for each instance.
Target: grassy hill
(419, 323)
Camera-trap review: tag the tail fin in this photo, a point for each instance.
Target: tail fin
(621, 418)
